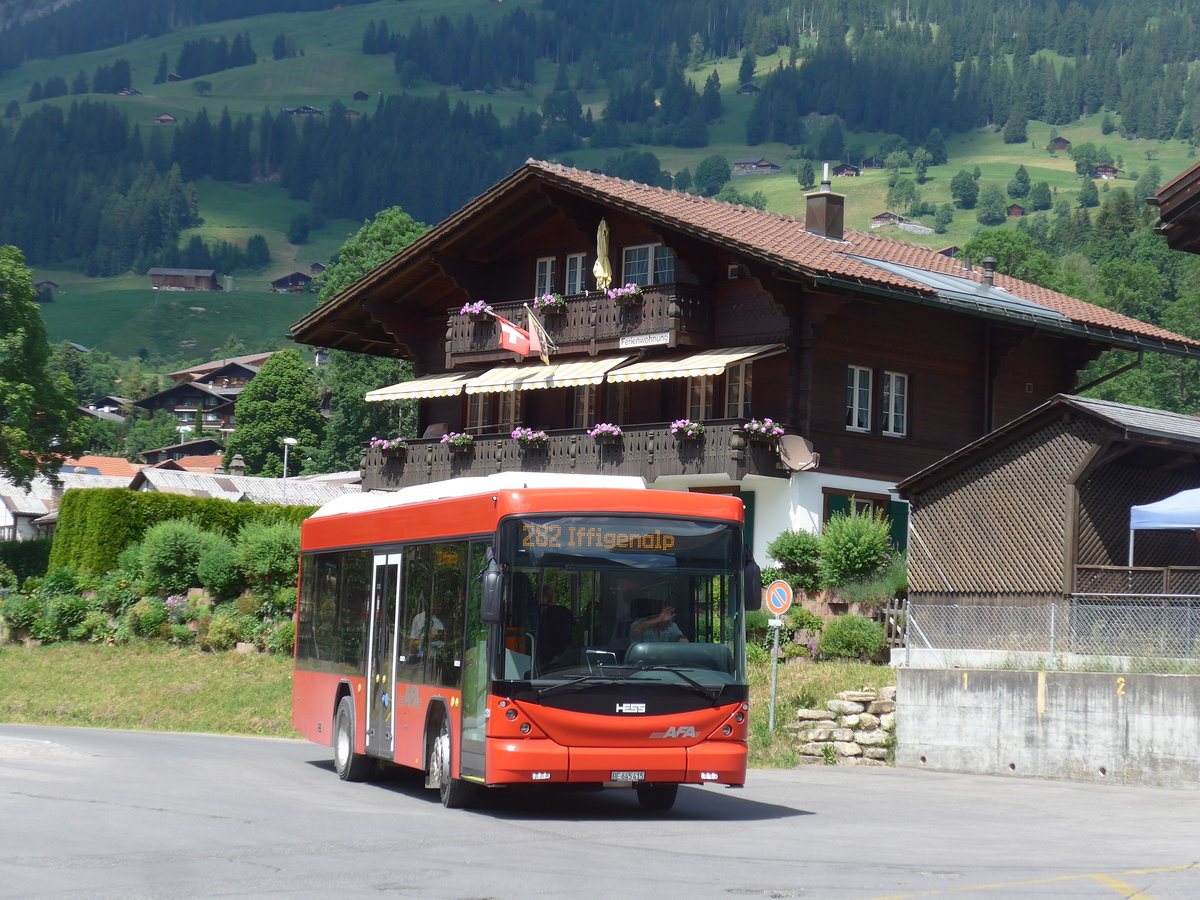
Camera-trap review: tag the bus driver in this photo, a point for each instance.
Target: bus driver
(659, 627)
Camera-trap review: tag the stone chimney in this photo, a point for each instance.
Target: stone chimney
(825, 211)
(237, 465)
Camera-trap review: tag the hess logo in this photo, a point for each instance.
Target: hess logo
(631, 707)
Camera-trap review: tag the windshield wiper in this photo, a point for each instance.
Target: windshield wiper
(711, 692)
(578, 683)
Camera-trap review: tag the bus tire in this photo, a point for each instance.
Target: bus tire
(453, 792)
(656, 797)
(350, 766)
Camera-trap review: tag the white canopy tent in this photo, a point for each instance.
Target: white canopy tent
(1179, 512)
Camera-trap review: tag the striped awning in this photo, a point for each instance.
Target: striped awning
(694, 365)
(446, 384)
(528, 378)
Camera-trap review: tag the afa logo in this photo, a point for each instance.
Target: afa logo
(679, 731)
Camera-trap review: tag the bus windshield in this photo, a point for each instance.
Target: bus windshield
(598, 598)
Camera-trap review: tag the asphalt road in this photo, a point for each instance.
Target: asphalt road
(99, 814)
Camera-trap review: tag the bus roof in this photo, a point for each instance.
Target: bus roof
(468, 486)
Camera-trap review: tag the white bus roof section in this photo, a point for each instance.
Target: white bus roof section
(466, 487)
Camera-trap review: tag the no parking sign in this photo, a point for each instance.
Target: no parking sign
(779, 597)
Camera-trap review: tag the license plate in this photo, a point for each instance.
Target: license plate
(628, 776)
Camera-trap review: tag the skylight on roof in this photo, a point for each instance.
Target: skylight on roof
(965, 291)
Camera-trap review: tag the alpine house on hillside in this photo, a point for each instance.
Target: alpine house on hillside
(874, 357)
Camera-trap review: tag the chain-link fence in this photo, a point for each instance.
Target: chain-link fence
(1135, 634)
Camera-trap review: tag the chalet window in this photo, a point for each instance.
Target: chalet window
(700, 398)
(545, 278)
(584, 402)
(509, 410)
(894, 403)
(738, 380)
(616, 398)
(575, 274)
(858, 398)
(648, 264)
(477, 411)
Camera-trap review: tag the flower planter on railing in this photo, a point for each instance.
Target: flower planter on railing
(529, 439)
(627, 295)
(458, 442)
(605, 433)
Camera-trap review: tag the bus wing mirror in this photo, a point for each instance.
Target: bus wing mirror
(493, 592)
(752, 584)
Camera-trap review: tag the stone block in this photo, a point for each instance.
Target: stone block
(845, 707)
(867, 722)
(246, 647)
(814, 714)
(887, 721)
(847, 748)
(879, 707)
(887, 693)
(875, 738)
(831, 734)
(848, 721)
(858, 696)
(875, 752)
(813, 748)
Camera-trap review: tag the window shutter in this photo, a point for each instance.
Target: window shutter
(897, 513)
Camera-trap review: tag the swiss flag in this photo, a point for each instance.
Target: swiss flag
(512, 338)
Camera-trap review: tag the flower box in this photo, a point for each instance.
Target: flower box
(687, 430)
(627, 295)
(530, 439)
(605, 433)
(763, 431)
(477, 311)
(458, 442)
(550, 304)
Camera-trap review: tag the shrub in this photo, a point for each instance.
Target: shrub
(801, 619)
(798, 555)
(283, 638)
(26, 558)
(757, 629)
(116, 593)
(170, 552)
(854, 547)
(249, 604)
(182, 635)
(60, 581)
(225, 629)
(21, 612)
(8, 578)
(282, 603)
(852, 637)
(147, 616)
(67, 611)
(891, 582)
(268, 553)
(96, 627)
(217, 568)
(757, 654)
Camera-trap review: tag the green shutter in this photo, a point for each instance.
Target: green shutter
(897, 512)
(836, 503)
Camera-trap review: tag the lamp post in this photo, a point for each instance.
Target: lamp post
(287, 442)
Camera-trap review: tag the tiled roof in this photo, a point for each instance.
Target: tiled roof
(783, 240)
(104, 465)
(252, 359)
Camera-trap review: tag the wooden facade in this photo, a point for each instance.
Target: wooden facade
(1038, 510)
(183, 280)
(938, 355)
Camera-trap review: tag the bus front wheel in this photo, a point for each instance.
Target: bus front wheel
(657, 797)
(453, 792)
(350, 766)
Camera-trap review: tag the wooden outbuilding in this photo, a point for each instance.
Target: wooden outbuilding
(1037, 511)
(183, 279)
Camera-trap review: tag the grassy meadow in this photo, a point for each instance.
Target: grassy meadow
(155, 687)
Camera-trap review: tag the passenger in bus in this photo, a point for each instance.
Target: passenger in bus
(418, 642)
(659, 627)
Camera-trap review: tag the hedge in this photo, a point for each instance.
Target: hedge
(26, 558)
(96, 524)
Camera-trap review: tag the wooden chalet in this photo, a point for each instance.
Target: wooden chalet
(1107, 172)
(251, 362)
(1015, 211)
(40, 286)
(845, 170)
(877, 357)
(1060, 145)
(183, 280)
(189, 402)
(886, 218)
(295, 283)
(754, 166)
(316, 269)
(360, 96)
(165, 119)
(1038, 511)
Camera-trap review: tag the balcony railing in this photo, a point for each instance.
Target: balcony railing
(650, 451)
(1122, 581)
(666, 315)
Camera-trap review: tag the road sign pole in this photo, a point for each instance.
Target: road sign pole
(776, 624)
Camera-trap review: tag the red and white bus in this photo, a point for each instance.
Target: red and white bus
(528, 629)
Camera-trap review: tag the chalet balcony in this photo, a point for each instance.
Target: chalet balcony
(665, 315)
(1139, 581)
(646, 450)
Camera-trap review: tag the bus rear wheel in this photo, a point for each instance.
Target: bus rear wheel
(453, 792)
(657, 797)
(350, 766)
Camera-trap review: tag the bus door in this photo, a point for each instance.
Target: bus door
(381, 656)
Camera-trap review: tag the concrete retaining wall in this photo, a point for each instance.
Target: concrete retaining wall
(1127, 728)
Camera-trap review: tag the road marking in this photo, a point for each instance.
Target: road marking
(1107, 879)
